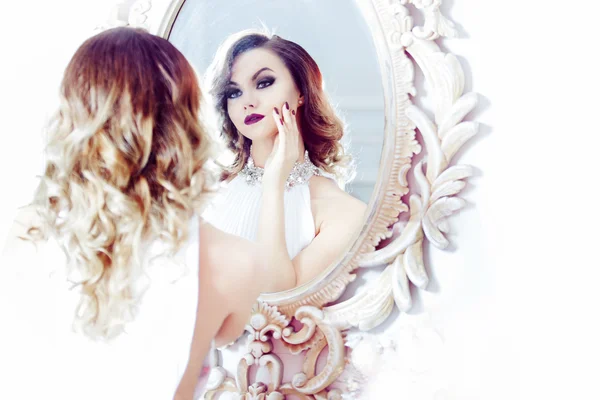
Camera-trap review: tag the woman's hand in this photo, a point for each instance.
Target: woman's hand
(285, 149)
(271, 227)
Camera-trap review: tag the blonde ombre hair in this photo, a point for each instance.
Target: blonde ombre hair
(128, 161)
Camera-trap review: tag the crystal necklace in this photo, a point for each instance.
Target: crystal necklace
(299, 175)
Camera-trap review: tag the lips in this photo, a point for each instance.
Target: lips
(253, 118)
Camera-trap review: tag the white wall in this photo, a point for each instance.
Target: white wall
(515, 303)
(516, 300)
(37, 39)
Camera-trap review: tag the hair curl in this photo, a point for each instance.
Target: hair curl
(127, 162)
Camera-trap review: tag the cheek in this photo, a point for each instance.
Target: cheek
(270, 123)
(230, 110)
(234, 114)
(276, 98)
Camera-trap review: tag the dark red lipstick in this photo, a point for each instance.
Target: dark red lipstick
(253, 118)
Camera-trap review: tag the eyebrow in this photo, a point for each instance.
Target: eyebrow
(253, 76)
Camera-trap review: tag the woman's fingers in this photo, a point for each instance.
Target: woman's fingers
(279, 121)
(293, 132)
(289, 135)
(286, 113)
(293, 116)
(289, 120)
(278, 118)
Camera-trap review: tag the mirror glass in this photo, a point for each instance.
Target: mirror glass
(322, 214)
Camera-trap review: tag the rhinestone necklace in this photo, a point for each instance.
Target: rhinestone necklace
(299, 175)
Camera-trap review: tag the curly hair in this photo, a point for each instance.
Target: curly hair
(321, 128)
(128, 161)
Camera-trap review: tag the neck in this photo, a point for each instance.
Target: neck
(262, 148)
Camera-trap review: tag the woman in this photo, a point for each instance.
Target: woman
(282, 191)
(126, 176)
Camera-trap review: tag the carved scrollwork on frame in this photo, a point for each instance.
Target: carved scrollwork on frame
(402, 46)
(433, 199)
(128, 13)
(267, 324)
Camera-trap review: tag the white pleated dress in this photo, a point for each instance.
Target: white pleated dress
(45, 359)
(236, 210)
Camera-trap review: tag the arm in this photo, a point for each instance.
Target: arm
(334, 233)
(339, 218)
(271, 227)
(271, 236)
(208, 322)
(342, 223)
(231, 279)
(343, 218)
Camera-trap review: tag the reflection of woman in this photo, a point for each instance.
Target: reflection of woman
(125, 174)
(274, 115)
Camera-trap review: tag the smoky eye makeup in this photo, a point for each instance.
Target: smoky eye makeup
(265, 82)
(232, 92)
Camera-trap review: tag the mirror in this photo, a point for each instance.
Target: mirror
(299, 341)
(336, 36)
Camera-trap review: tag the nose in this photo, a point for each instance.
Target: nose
(249, 101)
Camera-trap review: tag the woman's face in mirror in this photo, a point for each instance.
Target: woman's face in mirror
(259, 82)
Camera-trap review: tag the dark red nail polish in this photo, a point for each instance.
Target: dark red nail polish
(275, 108)
(287, 106)
(293, 112)
(281, 121)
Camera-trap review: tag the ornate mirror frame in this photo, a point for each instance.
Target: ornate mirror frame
(400, 47)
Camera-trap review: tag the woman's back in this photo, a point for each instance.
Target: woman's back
(121, 251)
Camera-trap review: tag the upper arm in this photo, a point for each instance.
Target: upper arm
(219, 296)
(341, 223)
(232, 281)
(208, 317)
(234, 265)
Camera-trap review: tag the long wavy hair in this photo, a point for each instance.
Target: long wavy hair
(321, 128)
(127, 161)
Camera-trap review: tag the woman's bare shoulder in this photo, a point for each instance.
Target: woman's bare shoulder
(230, 261)
(332, 202)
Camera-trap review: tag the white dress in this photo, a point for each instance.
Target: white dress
(236, 210)
(45, 359)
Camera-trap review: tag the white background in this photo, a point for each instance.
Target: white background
(517, 300)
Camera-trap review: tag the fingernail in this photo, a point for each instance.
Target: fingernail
(293, 112)
(275, 108)
(287, 106)
(281, 120)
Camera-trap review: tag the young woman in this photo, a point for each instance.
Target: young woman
(283, 190)
(127, 174)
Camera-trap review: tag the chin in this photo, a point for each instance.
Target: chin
(258, 134)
